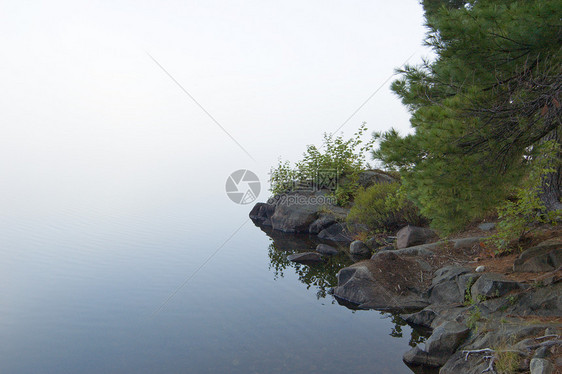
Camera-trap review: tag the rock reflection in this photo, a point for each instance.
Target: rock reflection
(321, 276)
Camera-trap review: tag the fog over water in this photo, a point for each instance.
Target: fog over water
(112, 179)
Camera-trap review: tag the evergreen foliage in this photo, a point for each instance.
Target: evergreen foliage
(520, 215)
(491, 94)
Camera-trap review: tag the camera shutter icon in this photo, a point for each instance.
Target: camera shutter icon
(243, 186)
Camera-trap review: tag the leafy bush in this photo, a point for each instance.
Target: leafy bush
(345, 193)
(384, 207)
(520, 215)
(474, 316)
(337, 155)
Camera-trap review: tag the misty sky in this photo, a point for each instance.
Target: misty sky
(82, 103)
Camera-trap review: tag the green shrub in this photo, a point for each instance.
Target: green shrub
(345, 193)
(341, 157)
(521, 215)
(384, 208)
(468, 300)
(474, 316)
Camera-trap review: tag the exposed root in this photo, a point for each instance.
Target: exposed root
(491, 357)
(490, 367)
(548, 343)
(475, 351)
(547, 337)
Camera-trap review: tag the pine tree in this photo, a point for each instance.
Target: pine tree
(480, 108)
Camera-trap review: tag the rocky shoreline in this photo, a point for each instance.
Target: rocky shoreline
(481, 316)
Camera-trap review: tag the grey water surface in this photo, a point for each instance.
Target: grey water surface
(102, 284)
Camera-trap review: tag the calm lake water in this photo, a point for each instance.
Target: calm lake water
(101, 282)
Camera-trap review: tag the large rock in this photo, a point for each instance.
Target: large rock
(428, 249)
(449, 284)
(442, 343)
(261, 213)
(493, 285)
(326, 249)
(541, 366)
(321, 223)
(487, 226)
(411, 235)
(457, 364)
(544, 257)
(465, 283)
(373, 244)
(294, 218)
(357, 285)
(495, 335)
(371, 177)
(467, 243)
(543, 301)
(448, 273)
(519, 335)
(446, 313)
(387, 283)
(298, 212)
(357, 247)
(305, 257)
(423, 318)
(425, 250)
(336, 233)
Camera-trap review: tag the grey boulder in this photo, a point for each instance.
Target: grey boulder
(543, 301)
(371, 177)
(493, 285)
(541, 366)
(294, 218)
(544, 257)
(423, 318)
(448, 285)
(439, 347)
(336, 233)
(321, 223)
(374, 284)
(411, 235)
(487, 226)
(357, 247)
